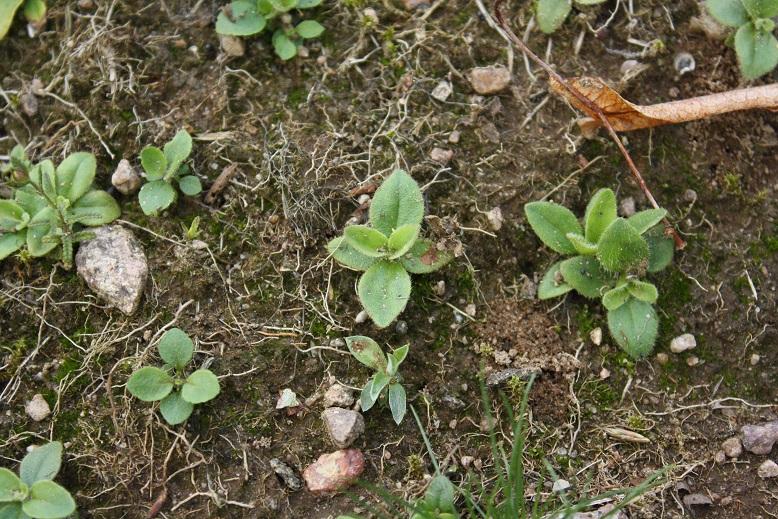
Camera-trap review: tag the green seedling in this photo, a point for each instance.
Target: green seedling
(755, 45)
(193, 231)
(176, 391)
(163, 168)
(34, 12)
(610, 255)
(389, 249)
(53, 207)
(250, 17)
(17, 170)
(386, 381)
(551, 14)
(33, 493)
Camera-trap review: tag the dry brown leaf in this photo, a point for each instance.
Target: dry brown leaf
(625, 435)
(625, 116)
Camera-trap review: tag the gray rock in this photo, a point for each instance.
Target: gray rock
(338, 395)
(28, 103)
(401, 328)
(489, 80)
(343, 425)
(560, 485)
(286, 474)
(627, 207)
(732, 447)
(682, 343)
(441, 155)
(114, 266)
(768, 469)
(498, 377)
(759, 439)
(442, 91)
(37, 408)
(125, 179)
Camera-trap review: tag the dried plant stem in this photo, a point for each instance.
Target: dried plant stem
(679, 242)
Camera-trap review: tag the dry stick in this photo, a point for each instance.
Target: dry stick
(679, 243)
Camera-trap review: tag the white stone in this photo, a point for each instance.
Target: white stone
(682, 343)
(37, 408)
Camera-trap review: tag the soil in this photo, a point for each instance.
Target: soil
(267, 307)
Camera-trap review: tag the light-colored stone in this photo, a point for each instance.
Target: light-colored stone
(732, 447)
(489, 80)
(720, 457)
(441, 155)
(343, 425)
(495, 218)
(627, 207)
(560, 485)
(37, 408)
(759, 439)
(596, 336)
(126, 179)
(768, 469)
(334, 471)
(442, 91)
(682, 343)
(606, 510)
(662, 358)
(232, 45)
(114, 266)
(416, 4)
(361, 317)
(338, 395)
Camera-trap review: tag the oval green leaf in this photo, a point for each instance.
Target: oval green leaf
(424, 257)
(644, 220)
(397, 402)
(190, 185)
(585, 275)
(48, 500)
(660, 249)
(366, 351)
(153, 162)
(11, 487)
(634, 326)
(643, 290)
(240, 18)
(42, 462)
(40, 226)
(600, 213)
(13, 217)
(156, 196)
(621, 247)
(366, 240)
(760, 8)
(150, 384)
(177, 150)
(553, 283)
(11, 242)
(95, 208)
(384, 290)
(551, 14)
(551, 222)
(284, 47)
(397, 202)
(727, 12)
(174, 409)
(757, 51)
(615, 297)
(200, 386)
(365, 400)
(402, 239)
(176, 347)
(75, 175)
(347, 256)
(309, 29)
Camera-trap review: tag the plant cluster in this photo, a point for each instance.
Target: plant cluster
(389, 248)
(34, 12)
(176, 391)
(386, 380)
(755, 45)
(52, 206)
(551, 14)
(33, 493)
(163, 168)
(249, 17)
(610, 255)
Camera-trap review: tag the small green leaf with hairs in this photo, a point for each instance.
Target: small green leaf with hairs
(48, 500)
(366, 240)
(366, 401)
(380, 381)
(621, 247)
(284, 47)
(175, 409)
(397, 402)
(39, 228)
(424, 257)
(553, 283)
(660, 249)
(585, 275)
(240, 18)
(309, 29)
(150, 384)
(634, 326)
(551, 222)
(728, 12)
(11, 487)
(643, 290)
(581, 244)
(384, 290)
(96, 207)
(176, 348)
(645, 220)
(13, 217)
(402, 239)
(43, 462)
(615, 297)
(397, 202)
(551, 14)
(441, 495)
(11, 242)
(600, 213)
(75, 175)
(190, 185)
(347, 255)
(761, 8)
(366, 351)
(156, 196)
(177, 150)
(399, 354)
(200, 386)
(757, 50)
(153, 162)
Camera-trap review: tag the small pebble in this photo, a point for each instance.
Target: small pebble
(604, 373)
(454, 136)
(596, 336)
(442, 91)
(768, 469)
(361, 317)
(401, 328)
(371, 15)
(470, 310)
(719, 457)
(682, 343)
(439, 288)
(495, 218)
(755, 359)
(441, 155)
(489, 80)
(125, 178)
(37, 408)
(560, 485)
(692, 361)
(683, 63)
(627, 207)
(690, 195)
(732, 447)
(662, 358)
(232, 45)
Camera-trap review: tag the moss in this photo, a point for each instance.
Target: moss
(586, 321)
(598, 393)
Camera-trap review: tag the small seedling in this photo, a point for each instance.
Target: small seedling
(33, 493)
(249, 17)
(176, 391)
(610, 255)
(755, 45)
(193, 231)
(17, 170)
(552, 13)
(52, 208)
(163, 168)
(34, 11)
(389, 249)
(386, 381)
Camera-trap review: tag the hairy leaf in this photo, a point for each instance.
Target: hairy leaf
(581, 244)
(399, 354)
(347, 255)
(13, 217)
(29, 199)
(380, 381)
(644, 220)
(44, 176)
(634, 326)
(366, 240)
(42, 462)
(384, 290)
(177, 150)
(643, 290)
(600, 213)
(424, 257)
(553, 283)
(11, 487)
(156, 196)
(757, 51)
(176, 347)
(397, 402)
(96, 207)
(366, 351)
(728, 12)
(39, 227)
(150, 384)
(615, 297)
(441, 494)
(397, 202)
(761, 8)
(585, 275)
(11, 242)
(240, 18)
(366, 401)
(153, 162)
(660, 249)
(48, 500)
(402, 239)
(200, 386)
(551, 14)
(551, 222)
(621, 247)
(75, 175)
(8, 9)
(175, 409)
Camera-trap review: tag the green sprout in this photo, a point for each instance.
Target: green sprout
(249, 17)
(755, 45)
(163, 167)
(176, 391)
(389, 249)
(33, 493)
(386, 380)
(551, 14)
(52, 208)
(610, 255)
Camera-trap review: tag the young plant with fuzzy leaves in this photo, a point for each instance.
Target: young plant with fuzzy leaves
(177, 392)
(34, 12)
(551, 14)
(389, 249)
(386, 381)
(755, 44)
(249, 17)
(33, 493)
(609, 256)
(53, 208)
(164, 168)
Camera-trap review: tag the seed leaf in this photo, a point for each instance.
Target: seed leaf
(621, 247)
(366, 401)
(728, 12)
(384, 290)
(347, 255)
(153, 162)
(402, 239)
(176, 347)
(643, 290)
(585, 275)
(366, 351)
(600, 213)
(175, 409)
(552, 13)
(644, 220)
(615, 297)
(156, 196)
(397, 402)
(190, 185)
(424, 257)
(240, 18)
(760, 8)
(553, 283)
(309, 29)
(150, 384)
(177, 150)
(634, 326)
(200, 386)
(757, 51)
(48, 500)
(284, 47)
(551, 222)
(42, 462)
(397, 202)
(365, 240)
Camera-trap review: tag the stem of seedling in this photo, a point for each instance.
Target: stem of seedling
(669, 230)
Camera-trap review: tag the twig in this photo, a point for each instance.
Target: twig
(679, 243)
